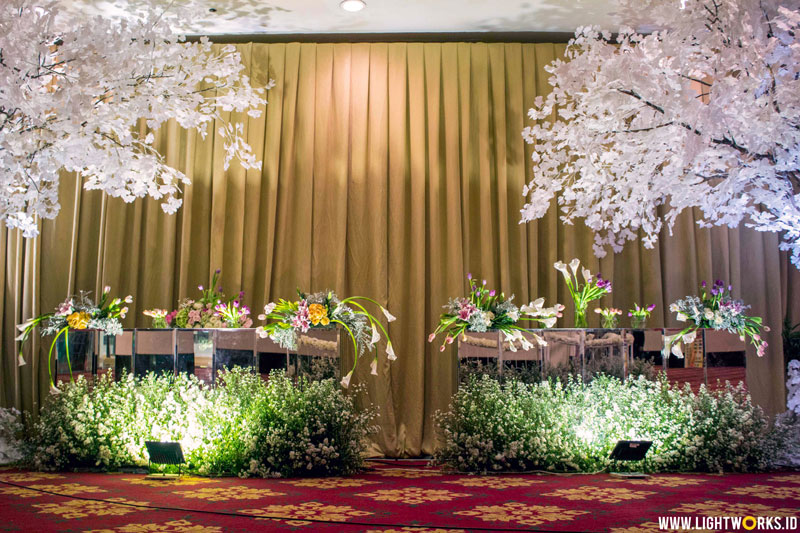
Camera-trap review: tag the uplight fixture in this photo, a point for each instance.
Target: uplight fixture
(353, 5)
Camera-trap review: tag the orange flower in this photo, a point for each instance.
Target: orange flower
(78, 320)
(318, 314)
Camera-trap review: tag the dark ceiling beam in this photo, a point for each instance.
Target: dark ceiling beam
(480, 37)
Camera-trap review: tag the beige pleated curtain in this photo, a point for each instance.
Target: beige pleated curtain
(390, 171)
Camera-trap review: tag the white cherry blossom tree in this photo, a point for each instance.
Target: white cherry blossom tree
(704, 112)
(73, 89)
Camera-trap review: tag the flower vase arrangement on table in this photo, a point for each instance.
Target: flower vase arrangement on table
(593, 288)
(325, 310)
(485, 310)
(212, 310)
(609, 316)
(716, 309)
(80, 313)
(639, 315)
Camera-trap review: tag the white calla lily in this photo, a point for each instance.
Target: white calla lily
(389, 316)
(574, 264)
(375, 335)
(346, 380)
(390, 352)
(373, 367)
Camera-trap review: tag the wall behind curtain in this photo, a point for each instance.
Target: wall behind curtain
(389, 170)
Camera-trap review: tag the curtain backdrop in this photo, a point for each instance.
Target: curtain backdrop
(389, 170)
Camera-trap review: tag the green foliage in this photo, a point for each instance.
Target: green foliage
(791, 341)
(242, 426)
(573, 426)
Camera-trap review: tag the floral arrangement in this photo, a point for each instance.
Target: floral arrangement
(485, 310)
(594, 288)
(639, 315)
(242, 426)
(609, 316)
(159, 317)
(326, 310)
(77, 313)
(234, 314)
(573, 426)
(212, 310)
(11, 432)
(716, 308)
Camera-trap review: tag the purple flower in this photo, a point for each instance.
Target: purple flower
(703, 284)
(651, 307)
(200, 287)
(720, 283)
(469, 276)
(492, 292)
(218, 271)
(484, 282)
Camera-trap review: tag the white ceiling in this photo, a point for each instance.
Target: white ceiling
(380, 16)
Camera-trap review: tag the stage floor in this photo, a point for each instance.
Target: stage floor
(398, 497)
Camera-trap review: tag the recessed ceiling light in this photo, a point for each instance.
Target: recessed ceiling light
(353, 5)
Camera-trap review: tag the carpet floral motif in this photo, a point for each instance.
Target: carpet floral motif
(307, 511)
(221, 494)
(720, 508)
(767, 491)
(407, 473)
(664, 481)
(183, 480)
(600, 494)
(27, 477)
(415, 530)
(84, 508)
(787, 478)
(494, 482)
(412, 495)
(651, 527)
(67, 489)
(173, 526)
(330, 482)
(520, 513)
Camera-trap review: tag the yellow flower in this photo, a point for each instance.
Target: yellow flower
(78, 320)
(318, 314)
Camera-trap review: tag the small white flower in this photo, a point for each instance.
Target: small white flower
(681, 317)
(574, 264)
(373, 367)
(389, 316)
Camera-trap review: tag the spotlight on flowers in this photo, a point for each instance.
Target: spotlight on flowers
(486, 310)
(715, 308)
(324, 310)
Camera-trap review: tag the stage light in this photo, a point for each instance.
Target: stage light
(630, 450)
(353, 5)
(164, 453)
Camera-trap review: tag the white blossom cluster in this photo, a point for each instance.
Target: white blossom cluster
(242, 426)
(10, 435)
(573, 426)
(73, 90)
(702, 113)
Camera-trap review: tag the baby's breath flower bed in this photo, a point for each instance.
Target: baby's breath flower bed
(573, 427)
(243, 426)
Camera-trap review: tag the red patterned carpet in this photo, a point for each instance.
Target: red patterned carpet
(395, 498)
